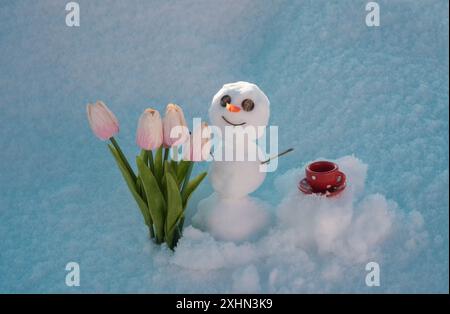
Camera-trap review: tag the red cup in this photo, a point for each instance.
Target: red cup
(323, 175)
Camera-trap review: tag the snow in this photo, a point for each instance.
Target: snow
(233, 219)
(246, 280)
(314, 241)
(336, 87)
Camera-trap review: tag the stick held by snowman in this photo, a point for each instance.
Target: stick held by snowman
(230, 213)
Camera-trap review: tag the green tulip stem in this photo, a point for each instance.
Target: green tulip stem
(166, 153)
(166, 157)
(122, 156)
(150, 161)
(152, 169)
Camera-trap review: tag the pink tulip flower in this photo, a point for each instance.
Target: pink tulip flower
(149, 133)
(103, 122)
(174, 118)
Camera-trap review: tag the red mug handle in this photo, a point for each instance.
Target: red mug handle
(340, 178)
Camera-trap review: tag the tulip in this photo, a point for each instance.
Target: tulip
(149, 133)
(103, 122)
(174, 118)
(199, 144)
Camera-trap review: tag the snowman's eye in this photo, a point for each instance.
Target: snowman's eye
(248, 105)
(225, 100)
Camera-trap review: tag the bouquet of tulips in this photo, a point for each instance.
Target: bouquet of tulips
(162, 185)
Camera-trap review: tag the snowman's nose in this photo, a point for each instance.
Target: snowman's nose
(233, 108)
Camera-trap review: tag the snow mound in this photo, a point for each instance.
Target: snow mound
(341, 225)
(316, 243)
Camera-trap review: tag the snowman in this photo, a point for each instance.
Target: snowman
(230, 213)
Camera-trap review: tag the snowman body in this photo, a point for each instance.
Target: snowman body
(237, 179)
(229, 213)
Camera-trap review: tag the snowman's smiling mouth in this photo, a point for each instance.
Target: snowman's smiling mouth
(234, 124)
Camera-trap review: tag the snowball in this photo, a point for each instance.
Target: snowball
(232, 219)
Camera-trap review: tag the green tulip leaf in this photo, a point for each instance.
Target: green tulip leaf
(174, 165)
(131, 186)
(174, 204)
(168, 167)
(176, 232)
(139, 185)
(182, 170)
(190, 187)
(155, 199)
(144, 156)
(164, 187)
(122, 157)
(140, 189)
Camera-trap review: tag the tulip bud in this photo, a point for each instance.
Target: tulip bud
(174, 118)
(199, 145)
(149, 133)
(103, 122)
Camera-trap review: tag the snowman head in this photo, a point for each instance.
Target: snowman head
(239, 104)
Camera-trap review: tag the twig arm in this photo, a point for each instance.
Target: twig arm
(279, 155)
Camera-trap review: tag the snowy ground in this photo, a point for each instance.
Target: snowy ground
(376, 100)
